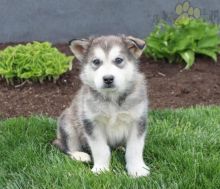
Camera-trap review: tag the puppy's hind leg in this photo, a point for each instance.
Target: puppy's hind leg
(68, 141)
(80, 156)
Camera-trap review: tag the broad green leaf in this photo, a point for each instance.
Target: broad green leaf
(180, 44)
(189, 57)
(209, 42)
(208, 52)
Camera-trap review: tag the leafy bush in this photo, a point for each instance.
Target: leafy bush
(183, 40)
(33, 61)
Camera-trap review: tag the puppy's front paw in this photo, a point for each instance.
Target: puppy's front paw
(97, 169)
(138, 170)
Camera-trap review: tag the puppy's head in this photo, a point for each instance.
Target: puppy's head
(109, 62)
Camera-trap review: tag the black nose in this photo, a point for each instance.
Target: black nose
(108, 79)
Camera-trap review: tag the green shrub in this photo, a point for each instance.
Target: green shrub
(183, 40)
(34, 61)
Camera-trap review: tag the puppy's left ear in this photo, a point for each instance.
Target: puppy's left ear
(79, 47)
(135, 45)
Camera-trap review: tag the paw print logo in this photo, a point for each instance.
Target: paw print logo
(185, 10)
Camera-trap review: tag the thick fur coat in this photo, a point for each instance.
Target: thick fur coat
(110, 109)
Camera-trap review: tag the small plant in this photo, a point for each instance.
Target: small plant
(34, 61)
(183, 40)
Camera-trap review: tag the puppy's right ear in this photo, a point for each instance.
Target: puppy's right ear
(79, 47)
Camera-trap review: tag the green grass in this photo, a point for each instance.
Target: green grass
(183, 151)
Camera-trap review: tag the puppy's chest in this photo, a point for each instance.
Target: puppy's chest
(114, 119)
(115, 124)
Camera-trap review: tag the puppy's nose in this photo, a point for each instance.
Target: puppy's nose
(108, 79)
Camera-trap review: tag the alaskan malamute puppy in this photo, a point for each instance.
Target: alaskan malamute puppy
(111, 107)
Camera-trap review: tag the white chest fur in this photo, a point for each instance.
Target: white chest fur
(115, 126)
(113, 121)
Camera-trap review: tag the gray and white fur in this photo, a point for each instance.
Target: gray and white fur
(110, 109)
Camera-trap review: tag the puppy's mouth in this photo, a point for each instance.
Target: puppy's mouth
(109, 87)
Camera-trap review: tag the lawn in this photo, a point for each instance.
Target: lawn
(182, 150)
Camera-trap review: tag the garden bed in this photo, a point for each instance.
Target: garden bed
(169, 86)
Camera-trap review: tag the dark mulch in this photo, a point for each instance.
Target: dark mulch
(169, 87)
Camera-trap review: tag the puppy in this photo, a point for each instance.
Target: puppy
(110, 109)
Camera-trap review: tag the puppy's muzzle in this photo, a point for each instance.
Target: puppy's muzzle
(108, 81)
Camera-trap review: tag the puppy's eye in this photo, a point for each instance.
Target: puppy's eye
(96, 62)
(118, 60)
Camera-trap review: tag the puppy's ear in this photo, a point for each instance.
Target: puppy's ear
(79, 47)
(135, 45)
